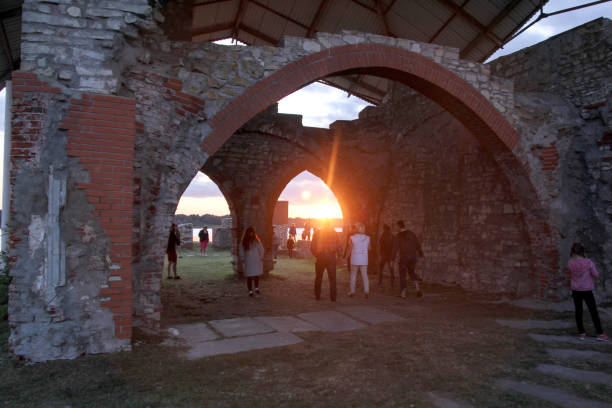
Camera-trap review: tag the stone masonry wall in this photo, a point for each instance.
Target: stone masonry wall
(562, 105)
(436, 177)
(187, 100)
(575, 64)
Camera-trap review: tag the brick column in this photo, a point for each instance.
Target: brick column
(101, 135)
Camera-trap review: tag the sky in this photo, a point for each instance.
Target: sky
(320, 105)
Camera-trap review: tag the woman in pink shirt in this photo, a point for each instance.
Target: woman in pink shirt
(583, 272)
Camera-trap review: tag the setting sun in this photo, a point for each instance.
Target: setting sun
(305, 195)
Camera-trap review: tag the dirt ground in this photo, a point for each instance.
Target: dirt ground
(449, 344)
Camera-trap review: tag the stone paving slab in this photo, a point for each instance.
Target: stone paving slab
(240, 344)
(332, 321)
(595, 377)
(568, 354)
(239, 326)
(370, 314)
(547, 338)
(195, 332)
(287, 323)
(536, 324)
(537, 304)
(554, 395)
(443, 402)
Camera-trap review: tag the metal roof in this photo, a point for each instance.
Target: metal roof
(10, 38)
(477, 27)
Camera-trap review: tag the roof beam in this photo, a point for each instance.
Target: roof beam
(498, 18)
(317, 17)
(446, 23)
(210, 3)
(381, 15)
(271, 10)
(389, 7)
(258, 34)
(242, 5)
(471, 19)
(212, 29)
(365, 6)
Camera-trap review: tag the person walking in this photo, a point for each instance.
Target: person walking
(583, 273)
(408, 247)
(307, 230)
(325, 247)
(385, 251)
(290, 246)
(252, 254)
(203, 235)
(172, 245)
(293, 232)
(359, 245)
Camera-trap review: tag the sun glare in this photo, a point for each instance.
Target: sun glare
(326, 210)
(305, 195)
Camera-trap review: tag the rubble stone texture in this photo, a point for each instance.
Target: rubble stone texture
(497, 173)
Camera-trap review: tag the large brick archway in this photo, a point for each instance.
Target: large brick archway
(433, 80)
(461, 99)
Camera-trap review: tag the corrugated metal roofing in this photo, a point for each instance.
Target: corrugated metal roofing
(10, 37)
(477, 27)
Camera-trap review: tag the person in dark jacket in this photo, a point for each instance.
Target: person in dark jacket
(385, 251)
(173, 243)
(408, 247)
(325, 246)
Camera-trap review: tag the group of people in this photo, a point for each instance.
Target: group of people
(173, 248)
(326, 248)
(292, 239)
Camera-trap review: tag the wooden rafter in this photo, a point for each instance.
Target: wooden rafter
(389, 7)
(209, 3)
(313, 24)
(383, 19)
(470, 18)
(258, 34)
(365, 6)
(242, 5)
(496, 20)
(271, 10)
(446, 23)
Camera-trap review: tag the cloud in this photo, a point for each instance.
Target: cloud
(201, 186)
(321, 105)
(554, 25)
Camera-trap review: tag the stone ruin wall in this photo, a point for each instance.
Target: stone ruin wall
(431, 172)
(563, 103)
(105, 69)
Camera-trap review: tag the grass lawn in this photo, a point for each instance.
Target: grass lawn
(449, 345)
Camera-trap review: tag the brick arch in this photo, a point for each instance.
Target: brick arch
(433, 80)
(438, 83)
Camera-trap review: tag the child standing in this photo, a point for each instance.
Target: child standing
(583, 272)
